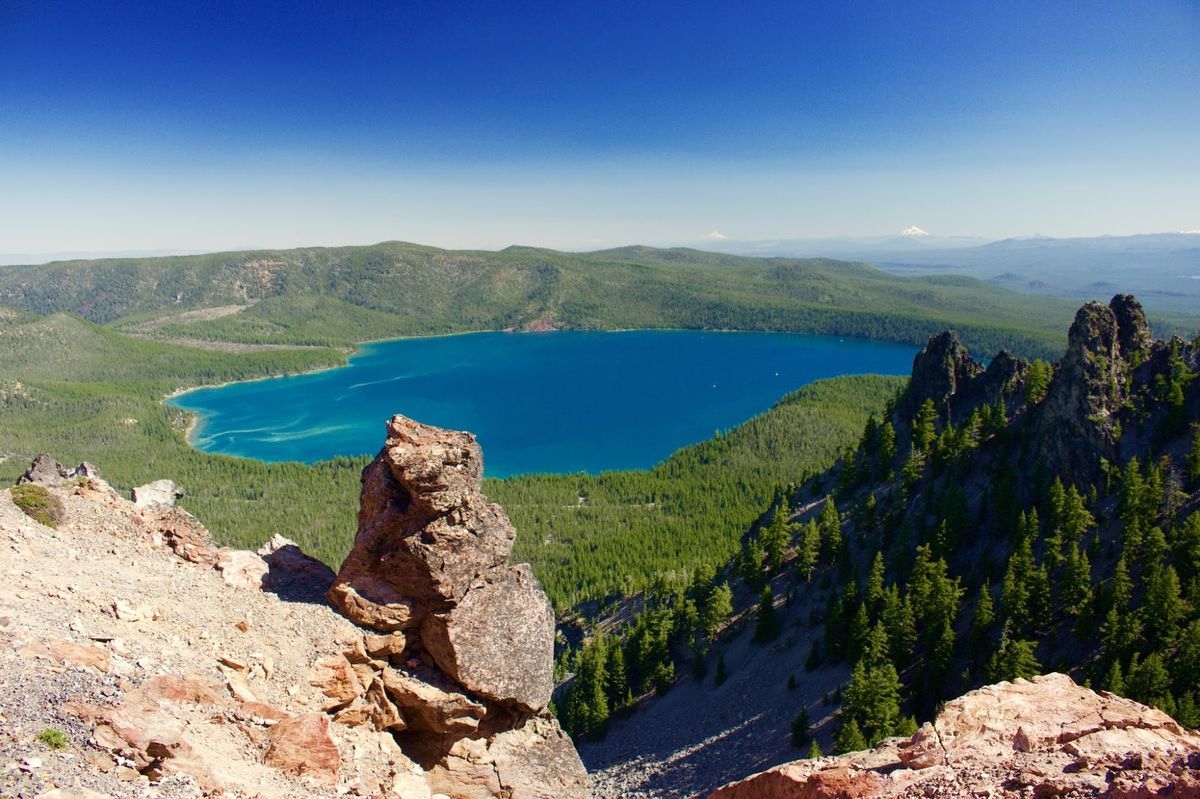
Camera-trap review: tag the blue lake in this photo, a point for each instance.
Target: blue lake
(539, 402)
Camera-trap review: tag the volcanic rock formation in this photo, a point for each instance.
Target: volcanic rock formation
(462, 659)
(1045, 737)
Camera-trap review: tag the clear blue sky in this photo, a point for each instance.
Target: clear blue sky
(206, 124)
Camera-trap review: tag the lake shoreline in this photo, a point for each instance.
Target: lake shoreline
(577, 403)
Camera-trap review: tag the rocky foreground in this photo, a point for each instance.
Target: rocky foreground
(1044, 738)
(138, 659)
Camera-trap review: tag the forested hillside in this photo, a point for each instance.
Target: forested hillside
(993, 522)
(85, 392)
(341, 296)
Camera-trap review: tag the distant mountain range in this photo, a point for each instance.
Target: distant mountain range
(1161, 268)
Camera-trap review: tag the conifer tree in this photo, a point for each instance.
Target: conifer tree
(1075, 585)
(1164, 608)
(766, 627)
(1150, 684)
(923, 429)
(1114, 680)
(849, 738)
(814, 751)
(809, 553)
(716, 610)
(830, 524)
(887, 446)
(874, 589)
(981, 625)
(799, 728)
(776, 537)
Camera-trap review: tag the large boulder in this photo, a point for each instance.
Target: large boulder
(157, 494)
(44, 471)
(1044, 737)
(425, 531)
(489, 642)
(462, 650)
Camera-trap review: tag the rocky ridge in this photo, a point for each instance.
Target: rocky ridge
(1045, 737)
(176, 668)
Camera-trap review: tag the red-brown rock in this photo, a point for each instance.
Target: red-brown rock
(302, 745)
(1045, 737)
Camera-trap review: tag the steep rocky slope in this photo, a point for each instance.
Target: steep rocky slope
(134, 654)
(1045, 737)
(1001, 520)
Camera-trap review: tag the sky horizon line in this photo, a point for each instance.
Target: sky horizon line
(696, 243)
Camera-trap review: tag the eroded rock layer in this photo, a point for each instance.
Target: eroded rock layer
(1045, 737)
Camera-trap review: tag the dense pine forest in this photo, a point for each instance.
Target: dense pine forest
(993, 522)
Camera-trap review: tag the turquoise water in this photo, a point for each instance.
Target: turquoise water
(539, 402)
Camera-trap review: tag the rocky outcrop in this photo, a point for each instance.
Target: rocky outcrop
(1078, 425)
(160, 493)
(1045, 737)
(460, 660)
(945, 373)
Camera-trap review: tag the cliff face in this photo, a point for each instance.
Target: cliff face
(1045, 737)
(167, 661)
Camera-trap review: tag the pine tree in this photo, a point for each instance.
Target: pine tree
(616, 677)
(1014, 658)
(981, 625)
(1193, 458)
(830, 524)
(766, 628)
(874, 589)
(923, 430)
(1037, 381)
(799, 728)
(814, 751)
(717, 610)
(849, 738)
(1165, 607)
(809, 553)
(1150, 684)
(1114, 681)
(777, 537)
(1075, 585)
(887, 446)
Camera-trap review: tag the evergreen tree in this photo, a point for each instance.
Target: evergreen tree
(766, 627)
(616, 685)
(1014, 658)
(981, 625)
(776, 537)
(874, 590)
(849, 738)
(830, 524)
(1037, 381)
(887, 446)
(800, 728)
(814, 751)
(1114, 681)
(717, 610)
(1164, 608)
(1075, 585)
(1150, 684)
(923, 428)
(809, 553)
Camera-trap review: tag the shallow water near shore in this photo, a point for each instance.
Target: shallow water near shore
(539, 402)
